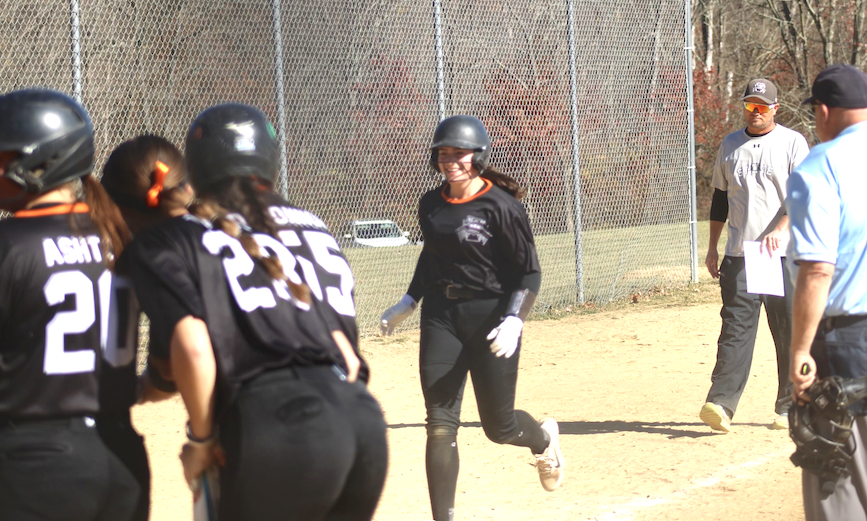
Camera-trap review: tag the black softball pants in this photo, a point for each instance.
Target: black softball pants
(116, 431)
(453, 343)
(302, 445)
(737, 340)
(61, 470)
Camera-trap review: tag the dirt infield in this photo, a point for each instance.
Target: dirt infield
(626, 386)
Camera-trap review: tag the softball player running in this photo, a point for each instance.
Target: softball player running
(269, 381)
(479, 276)
(62, 316)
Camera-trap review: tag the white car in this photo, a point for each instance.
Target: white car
(372, 233)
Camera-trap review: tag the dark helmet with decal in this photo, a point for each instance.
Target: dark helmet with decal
(231, 140)
(50, 136)
(464, 132)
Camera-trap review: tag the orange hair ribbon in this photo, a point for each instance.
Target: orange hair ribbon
(160, 173)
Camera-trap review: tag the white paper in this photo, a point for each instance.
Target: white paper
(764, 271)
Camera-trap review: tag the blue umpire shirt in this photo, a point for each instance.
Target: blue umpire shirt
(828, 217)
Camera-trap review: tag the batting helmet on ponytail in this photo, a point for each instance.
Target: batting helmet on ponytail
(231, 140)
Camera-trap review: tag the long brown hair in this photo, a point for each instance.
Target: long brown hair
(131, 174)
(105, 215)
(244, 196)
(504, 181)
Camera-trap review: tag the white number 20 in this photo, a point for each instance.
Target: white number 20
(59, 361)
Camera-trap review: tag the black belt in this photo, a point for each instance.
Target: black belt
(75, 421)
(842, 321)
(296, 372)
(120, 417)
(453, 292)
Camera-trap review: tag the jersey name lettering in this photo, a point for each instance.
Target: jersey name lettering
(283, 215)
(71, 250)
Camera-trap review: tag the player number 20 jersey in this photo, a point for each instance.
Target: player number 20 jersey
(63, 314)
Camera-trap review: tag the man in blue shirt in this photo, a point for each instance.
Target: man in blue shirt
(828, 220)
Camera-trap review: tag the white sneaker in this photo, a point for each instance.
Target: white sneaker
(782, 422)
(551, 463)
(715, 416)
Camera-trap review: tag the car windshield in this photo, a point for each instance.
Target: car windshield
(377, 231)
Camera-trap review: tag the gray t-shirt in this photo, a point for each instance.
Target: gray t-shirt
(754, 172)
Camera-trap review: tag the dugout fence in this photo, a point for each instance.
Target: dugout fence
(589, 104)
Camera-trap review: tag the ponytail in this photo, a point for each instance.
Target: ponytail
(105, 215)
(504, 182)
(242, 195)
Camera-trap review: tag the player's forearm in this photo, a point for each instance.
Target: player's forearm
(811, 296)
(783, 224)
(417, 285)
(195, 371)
(716, 228)
(353, 364)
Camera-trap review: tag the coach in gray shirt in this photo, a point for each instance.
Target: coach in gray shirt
(749, 180)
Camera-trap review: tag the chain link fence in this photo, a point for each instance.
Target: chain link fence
(587, 101)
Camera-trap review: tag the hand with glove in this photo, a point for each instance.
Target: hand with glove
(506, 336)
(822, 427)
(396, 314)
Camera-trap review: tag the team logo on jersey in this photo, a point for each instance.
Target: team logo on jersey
(754, 170)
(474, 229)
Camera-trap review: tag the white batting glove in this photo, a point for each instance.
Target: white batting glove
(396, 314)
(505, 336)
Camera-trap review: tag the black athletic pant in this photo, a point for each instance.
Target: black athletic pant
(118, 434)
(60, 470)
(454, 343)
(302, 445)
(740, 322)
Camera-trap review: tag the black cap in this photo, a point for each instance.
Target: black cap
(840, 85)
(763, 89)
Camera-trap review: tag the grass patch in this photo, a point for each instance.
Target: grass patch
(618, 264)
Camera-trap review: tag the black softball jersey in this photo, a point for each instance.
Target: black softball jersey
(184, 267)
(482, 243)
(320, 263)
(65, 318)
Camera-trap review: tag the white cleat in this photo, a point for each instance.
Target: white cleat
(551, 463)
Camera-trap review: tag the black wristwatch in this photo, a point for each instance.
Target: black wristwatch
(192, 437)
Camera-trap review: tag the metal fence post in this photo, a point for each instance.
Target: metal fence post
(283, 181)
(438, 46)
(690, 116)
(75, 31)
(576, 150)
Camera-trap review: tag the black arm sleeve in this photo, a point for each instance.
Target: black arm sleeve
(531, 281)
(719, 206)
(418, 285)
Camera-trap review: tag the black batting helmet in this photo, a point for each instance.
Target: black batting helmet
(52, 136)
(231, 140)
(464, 132)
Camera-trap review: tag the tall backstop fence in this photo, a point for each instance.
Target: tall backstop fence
(588, 102)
